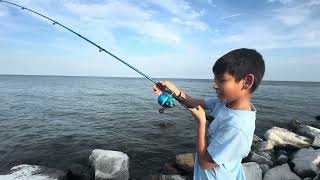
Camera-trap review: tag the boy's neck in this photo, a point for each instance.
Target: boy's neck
(243, 103)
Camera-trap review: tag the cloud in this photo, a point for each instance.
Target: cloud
(285, 27)
(184, 13)
(281, 1)
(110, 15)
(292, 16)
(122, 14)
(193, 24)
(231, 16)
(211, 3)
(314, 3)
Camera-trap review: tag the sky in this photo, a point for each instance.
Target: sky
(163, 39)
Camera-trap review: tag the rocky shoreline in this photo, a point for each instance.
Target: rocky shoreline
(282, 154)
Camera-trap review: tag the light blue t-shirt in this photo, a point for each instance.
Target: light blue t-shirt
(229, 140)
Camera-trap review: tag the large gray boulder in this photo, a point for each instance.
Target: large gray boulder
(33, 172)
(110, 164)
(265, 168)
(282, 172)
(252, 171)
(254, 157)
(304, 130)
(264, 146)
(282, 137)
(306, 162)
(316, 142)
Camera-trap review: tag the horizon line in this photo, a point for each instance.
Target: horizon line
(141, 77)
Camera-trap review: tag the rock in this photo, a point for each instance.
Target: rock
(316, 142)
(171, 177)
(282, 172)
(264, 146)
(265, 168)
(282, 137)
(317, 117)
(282, 152)
(254, 157)
(316, 125)
(110, 164)
(264, 154)
(317, 177)
(304, 130)
(169, 169)
(252, 171)
(79, 172)
(282, 159)
(306, 162)
(256, 139)
(150, 177)
(33, 172)
(185, 162)
(308, 178)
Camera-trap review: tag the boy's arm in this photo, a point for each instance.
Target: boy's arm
(204, 158)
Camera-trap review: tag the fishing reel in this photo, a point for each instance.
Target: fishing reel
(166, 101)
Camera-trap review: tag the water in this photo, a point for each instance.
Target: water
(57, 121)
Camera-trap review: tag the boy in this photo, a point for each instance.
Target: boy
(237, 75)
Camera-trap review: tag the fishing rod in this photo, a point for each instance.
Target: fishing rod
(165, 99)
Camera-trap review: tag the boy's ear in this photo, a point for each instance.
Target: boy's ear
(248, 81)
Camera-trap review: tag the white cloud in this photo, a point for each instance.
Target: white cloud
(231, 16)
(179, 8)
(104, 18)
(281, 1)
(121, 14)
(211, 3)
(185, 14)
(285, 27)
(314, 3)
(292, 16)
(193, 24)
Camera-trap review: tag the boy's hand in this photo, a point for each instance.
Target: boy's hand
(168, 85)
(199, 114)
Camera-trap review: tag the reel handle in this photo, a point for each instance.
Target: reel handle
(180, 99)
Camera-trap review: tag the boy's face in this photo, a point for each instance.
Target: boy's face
(228, 89)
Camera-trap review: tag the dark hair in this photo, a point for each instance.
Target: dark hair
(239, 63)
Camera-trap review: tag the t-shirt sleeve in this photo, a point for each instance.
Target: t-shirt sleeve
(227, 145)
(210, 102)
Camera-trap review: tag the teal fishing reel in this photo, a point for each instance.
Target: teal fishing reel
(166, 101)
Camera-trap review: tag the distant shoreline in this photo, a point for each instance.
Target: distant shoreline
(161, 78)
